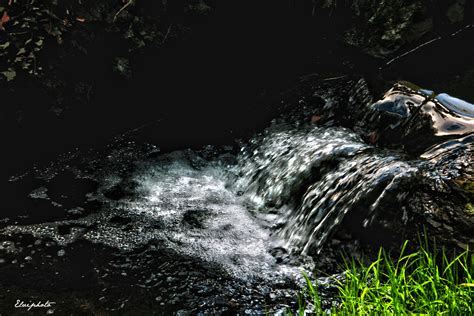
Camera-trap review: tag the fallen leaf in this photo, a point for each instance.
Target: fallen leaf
(315, 118)
(5, 18)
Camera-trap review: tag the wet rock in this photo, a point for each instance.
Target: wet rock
(338, 102)
(414, 119)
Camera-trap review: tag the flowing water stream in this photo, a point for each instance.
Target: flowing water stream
(230, 230)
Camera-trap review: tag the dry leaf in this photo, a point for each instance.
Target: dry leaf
(4, 20)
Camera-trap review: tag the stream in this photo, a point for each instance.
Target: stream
(229, 229)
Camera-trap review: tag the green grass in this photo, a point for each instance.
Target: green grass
(427, 281)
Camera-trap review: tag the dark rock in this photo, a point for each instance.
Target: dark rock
(337, 102)
(415, 119)
(381, 28)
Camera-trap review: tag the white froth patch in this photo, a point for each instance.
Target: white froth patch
(189, 208)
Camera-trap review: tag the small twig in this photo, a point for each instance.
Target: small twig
(122, 8)
(393, 60)
(412, 50)
(317, 77)
(167, 33)
(334, 78)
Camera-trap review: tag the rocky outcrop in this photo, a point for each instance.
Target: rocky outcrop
(432, 133)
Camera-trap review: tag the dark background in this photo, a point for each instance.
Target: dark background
(221, 81)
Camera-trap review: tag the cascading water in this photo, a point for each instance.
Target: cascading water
(313, 176)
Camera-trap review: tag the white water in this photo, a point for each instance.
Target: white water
(290, 188)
